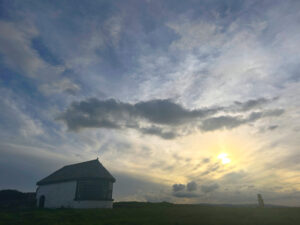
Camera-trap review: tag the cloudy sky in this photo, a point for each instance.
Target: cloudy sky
(183, 101)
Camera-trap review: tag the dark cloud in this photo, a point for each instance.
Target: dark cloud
(153, 130)
(216, 123)
(209, 188)
(167, 112)
(274, 112)
(178, 187)
(253, 103)
(230, 122)
(272, 127)
(191, 186)
(185, 191)
(162, 118)
(113, 114)
(96, 113)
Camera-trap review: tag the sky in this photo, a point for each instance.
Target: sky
(182, 101)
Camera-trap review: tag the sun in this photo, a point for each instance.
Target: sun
(224, 158)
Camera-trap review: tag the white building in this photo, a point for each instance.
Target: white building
(82, 185)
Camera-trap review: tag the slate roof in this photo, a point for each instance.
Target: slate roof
(86, 170)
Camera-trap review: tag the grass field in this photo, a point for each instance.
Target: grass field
(160, 213)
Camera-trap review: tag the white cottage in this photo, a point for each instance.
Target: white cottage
(82, 185)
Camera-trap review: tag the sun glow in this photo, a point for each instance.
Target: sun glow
(224, 158)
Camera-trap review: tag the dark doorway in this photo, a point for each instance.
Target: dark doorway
(42, 202)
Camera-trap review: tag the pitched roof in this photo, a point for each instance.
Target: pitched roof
(86, 170)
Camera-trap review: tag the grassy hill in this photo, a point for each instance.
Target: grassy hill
(158, 213)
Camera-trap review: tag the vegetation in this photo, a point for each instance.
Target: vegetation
(154, 213)
(15, 199)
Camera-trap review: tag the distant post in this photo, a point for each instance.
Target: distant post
(261, 203)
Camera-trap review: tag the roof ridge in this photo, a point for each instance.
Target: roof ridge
(82, 162)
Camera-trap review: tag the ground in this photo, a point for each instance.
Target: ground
(154, 214)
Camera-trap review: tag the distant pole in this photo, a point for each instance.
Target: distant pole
(261, 203)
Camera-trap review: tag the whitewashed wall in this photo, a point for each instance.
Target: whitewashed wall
(57, 195)
(63, 194)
